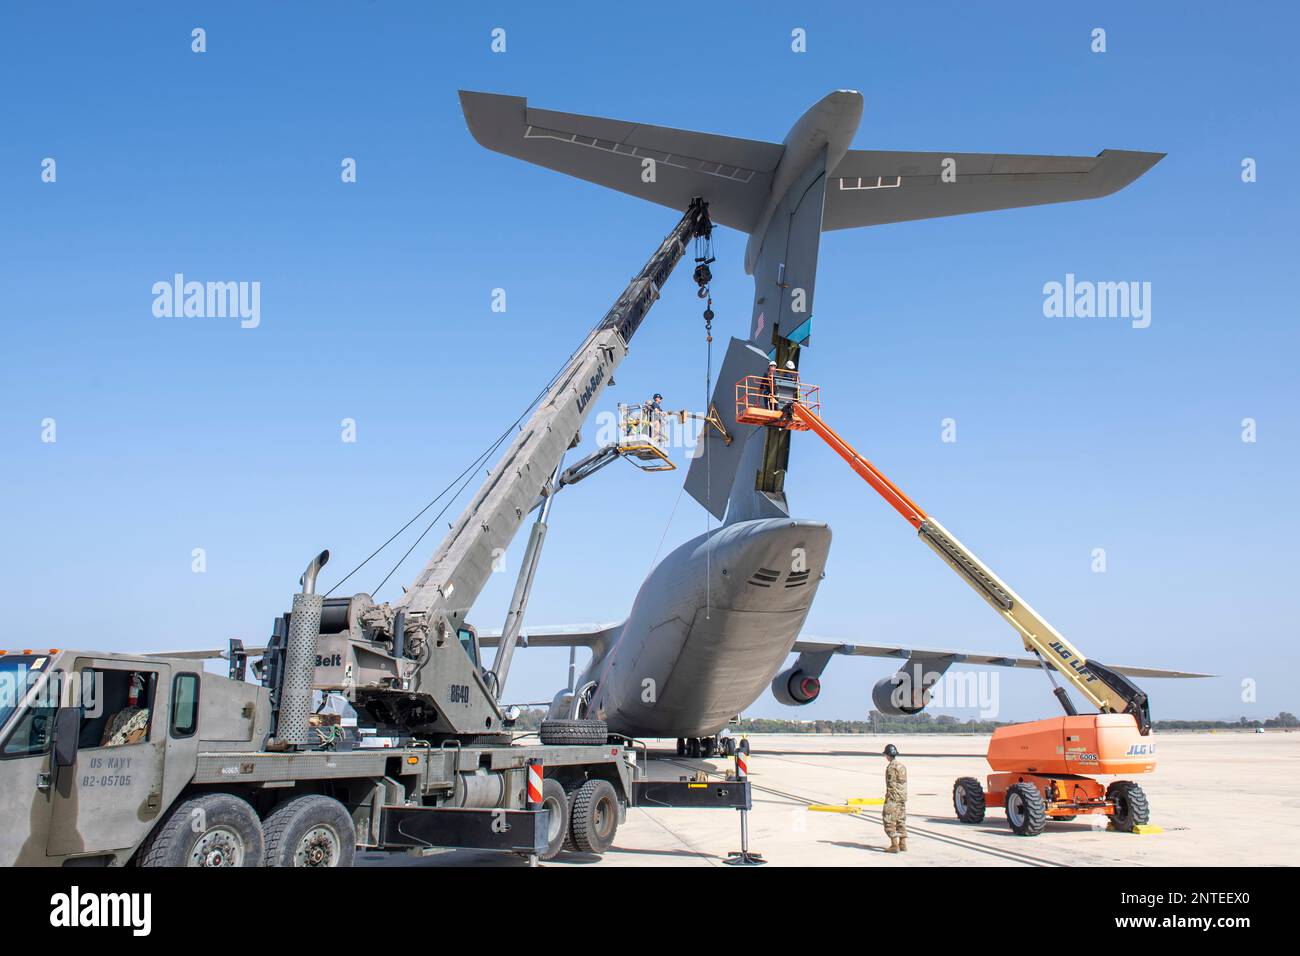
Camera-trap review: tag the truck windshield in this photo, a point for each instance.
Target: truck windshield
(18, 675)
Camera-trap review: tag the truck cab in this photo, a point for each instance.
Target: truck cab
(94, 747)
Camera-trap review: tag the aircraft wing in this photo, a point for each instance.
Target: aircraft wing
(961, 657)
(205, 655)
(564, 635)
(732, 175)
(871, 187)
(594, 636)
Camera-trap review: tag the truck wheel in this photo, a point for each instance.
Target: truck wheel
(313, 830)
(681, 746)
(573, 732)
(594, 816)
(215, 829)
(968, 800)
(1026, 811)
(1131, 808)
(556, 801)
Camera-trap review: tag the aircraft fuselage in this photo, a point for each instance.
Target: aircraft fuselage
(710, 627)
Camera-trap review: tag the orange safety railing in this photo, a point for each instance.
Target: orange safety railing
(767, 399)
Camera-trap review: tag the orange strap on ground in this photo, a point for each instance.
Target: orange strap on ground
(904, 505)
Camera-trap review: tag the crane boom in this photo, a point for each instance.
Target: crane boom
(457, 572)
(1108, 691)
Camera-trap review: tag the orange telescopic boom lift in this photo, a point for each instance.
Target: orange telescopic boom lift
(1041, 768)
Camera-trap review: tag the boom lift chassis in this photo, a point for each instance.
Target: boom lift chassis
(1042, 767)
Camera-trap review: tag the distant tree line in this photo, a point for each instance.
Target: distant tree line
(878, 723)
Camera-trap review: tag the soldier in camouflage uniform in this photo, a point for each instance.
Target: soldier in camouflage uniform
(895, 811)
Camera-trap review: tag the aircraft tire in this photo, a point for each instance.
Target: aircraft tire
(573, 732)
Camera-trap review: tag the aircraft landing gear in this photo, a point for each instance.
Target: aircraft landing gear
(725, 746)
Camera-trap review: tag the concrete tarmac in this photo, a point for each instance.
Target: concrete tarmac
(1223, 799)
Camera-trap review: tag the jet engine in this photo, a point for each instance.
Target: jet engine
(794, 688)
(909, 690)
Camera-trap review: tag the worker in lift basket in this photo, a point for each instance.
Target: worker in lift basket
(895, 811)
(654, 414)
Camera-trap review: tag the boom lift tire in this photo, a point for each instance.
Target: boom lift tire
(573, 732)
(1026, 809)
(594, 816)
(212, 829)
(311, 830)
(1131, 807)
(968, 800)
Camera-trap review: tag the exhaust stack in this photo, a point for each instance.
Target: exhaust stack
(300, 658)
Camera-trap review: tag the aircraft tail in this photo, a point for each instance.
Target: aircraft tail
(722, 476)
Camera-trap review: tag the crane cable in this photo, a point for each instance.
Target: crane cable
(703, 278)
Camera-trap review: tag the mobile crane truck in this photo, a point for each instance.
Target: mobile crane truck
(108, 759)
(1042, 768)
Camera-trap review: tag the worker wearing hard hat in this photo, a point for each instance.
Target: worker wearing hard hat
(654, 411)
(894, 814)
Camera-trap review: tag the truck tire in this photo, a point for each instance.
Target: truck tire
(594, 816)
(1026, 810)
(1131, 807)
(573, 732)
(968, 800)
(555, 800)
(213, 829)
(311, 830)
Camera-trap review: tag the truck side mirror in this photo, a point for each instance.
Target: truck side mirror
(67, 735)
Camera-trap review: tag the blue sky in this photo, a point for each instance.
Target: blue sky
(1073, 434)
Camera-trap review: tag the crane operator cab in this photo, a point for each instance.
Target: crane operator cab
(468, 638)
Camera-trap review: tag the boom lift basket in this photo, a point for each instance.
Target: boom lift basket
(641, 437)
(766, 399)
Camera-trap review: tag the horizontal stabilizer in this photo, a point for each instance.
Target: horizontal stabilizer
(872, 187)
(733, 175)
